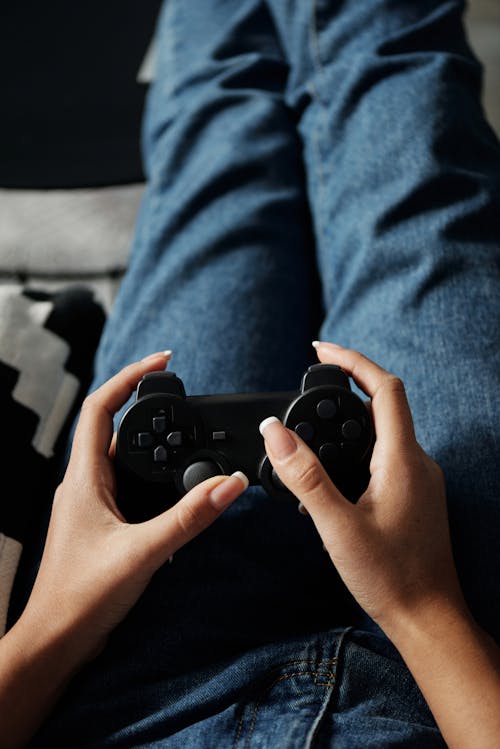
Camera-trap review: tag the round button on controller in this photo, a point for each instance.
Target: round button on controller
(326, 409)
(329, 452)
(305, 430)
(351, 429)
(198, 472)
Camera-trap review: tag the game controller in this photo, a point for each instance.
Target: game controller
(168, 442)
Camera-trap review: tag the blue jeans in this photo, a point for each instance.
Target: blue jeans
(315, 170)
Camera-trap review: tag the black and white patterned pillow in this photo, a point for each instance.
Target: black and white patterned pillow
(47, 346)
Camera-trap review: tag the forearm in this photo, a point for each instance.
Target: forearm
(457, 667)
(35, 667)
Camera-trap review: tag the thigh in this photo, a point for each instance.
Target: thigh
(222, 269)
(336, 689)
(404, 177)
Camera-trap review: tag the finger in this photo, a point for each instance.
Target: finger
(197, 509)
(390, 409)
(95, 425)
(112, 447)
(302, 473)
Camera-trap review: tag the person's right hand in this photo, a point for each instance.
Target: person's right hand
(95, 565)
(392, 548)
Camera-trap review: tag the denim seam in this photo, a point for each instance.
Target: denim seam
(314, 732)
(322, 114)
(325, 670)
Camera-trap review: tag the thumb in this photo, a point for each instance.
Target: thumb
(195, 511)
(303, 474)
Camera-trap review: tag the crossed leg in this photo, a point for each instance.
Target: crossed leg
(327, 175)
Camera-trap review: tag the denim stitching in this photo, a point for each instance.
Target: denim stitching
(319, 680)
(314, 732)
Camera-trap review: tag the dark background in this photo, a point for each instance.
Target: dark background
(71, 104)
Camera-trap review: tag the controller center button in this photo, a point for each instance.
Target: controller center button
(144, 439)
(159, 424)
(329, 452)
(351, 429)
(305, 430)
(198, 472)
(326, 409)
(219, 436)
(174, 439)
(160, 454)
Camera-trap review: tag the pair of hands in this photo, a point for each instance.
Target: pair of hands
(392, 548)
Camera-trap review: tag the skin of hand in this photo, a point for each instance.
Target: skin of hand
(95, 565)
(392, 548)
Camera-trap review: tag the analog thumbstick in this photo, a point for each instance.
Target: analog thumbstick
(198, 472)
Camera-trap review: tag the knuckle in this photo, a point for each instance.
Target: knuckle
(309, 477)
(188, 518)
(88, 402)
(394, 384)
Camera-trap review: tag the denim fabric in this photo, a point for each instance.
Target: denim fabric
(341, 688)
(315, 170)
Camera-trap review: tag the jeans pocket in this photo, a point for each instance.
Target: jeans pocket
(288, 703)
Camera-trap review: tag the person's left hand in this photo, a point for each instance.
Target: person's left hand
(95, 565)
(392, 548)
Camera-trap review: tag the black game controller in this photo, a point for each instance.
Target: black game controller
(168, 442)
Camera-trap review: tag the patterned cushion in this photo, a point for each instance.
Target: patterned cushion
(47, 346)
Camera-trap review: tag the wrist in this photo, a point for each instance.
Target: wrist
(49, 637)
(434, 620)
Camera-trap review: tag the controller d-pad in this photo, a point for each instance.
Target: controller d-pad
(159, 424)
(326, 409)
(160, 454)
(144, 439)
(174, 439)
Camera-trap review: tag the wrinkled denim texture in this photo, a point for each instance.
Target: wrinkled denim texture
(315, 171)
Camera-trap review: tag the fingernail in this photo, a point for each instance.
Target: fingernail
(326, 343)
(227, 491)
(157, 355)
(277, 437)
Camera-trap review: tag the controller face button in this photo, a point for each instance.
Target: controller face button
(326, 409)
(305, 430)
(160, 454)
(144, 439)
(328, 452)
(159, 424)
(198, 472)
(219, 436)
(351, 429)
(174, 439)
